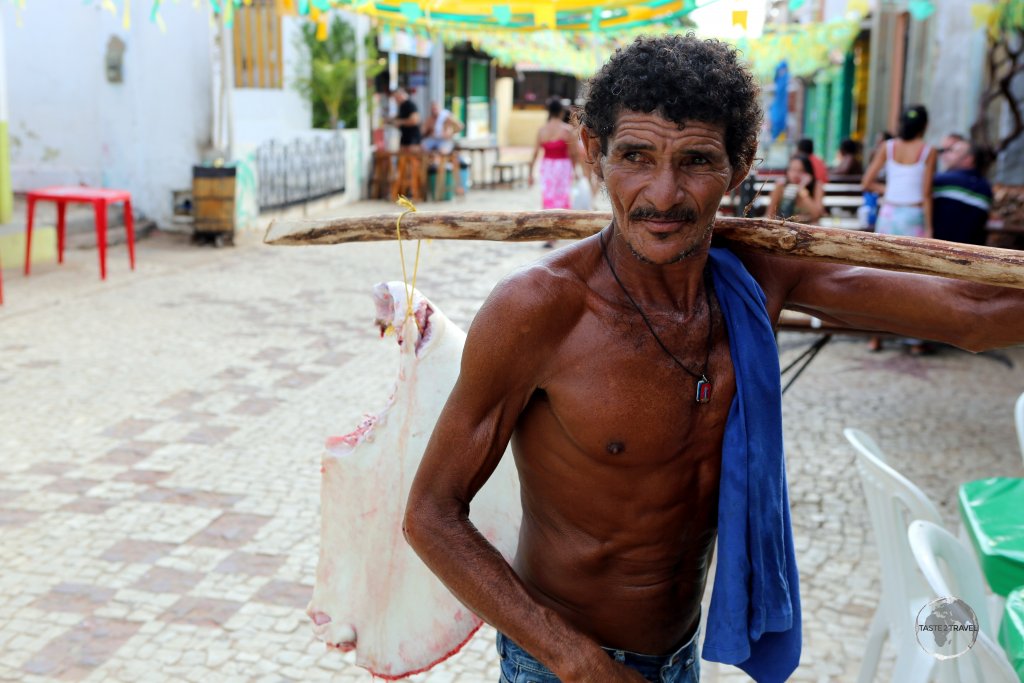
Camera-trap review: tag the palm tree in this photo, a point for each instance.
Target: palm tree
(326, 73)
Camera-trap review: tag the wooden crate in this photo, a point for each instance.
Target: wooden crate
(213, 199)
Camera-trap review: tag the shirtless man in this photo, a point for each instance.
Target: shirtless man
(619, 464)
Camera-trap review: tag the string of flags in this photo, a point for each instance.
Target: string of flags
(568, 33)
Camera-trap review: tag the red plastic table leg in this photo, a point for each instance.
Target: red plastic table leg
(129, 229)
(28, 234)
(100, 205)
(60, 231)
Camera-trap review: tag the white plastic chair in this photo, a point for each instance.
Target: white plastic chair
(951, 570)
(1018, 420)
(893, 501)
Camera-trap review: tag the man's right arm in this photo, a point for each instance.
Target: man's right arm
(504, 360)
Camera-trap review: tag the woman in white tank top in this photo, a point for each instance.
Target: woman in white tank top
(909, 167)
(907, 193)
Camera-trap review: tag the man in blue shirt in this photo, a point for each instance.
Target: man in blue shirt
(961, 195)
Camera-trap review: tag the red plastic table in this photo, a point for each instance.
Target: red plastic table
(99, 198)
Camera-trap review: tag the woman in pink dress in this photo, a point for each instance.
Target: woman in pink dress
(556, 139)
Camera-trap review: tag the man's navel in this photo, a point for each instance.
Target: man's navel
(615, 447)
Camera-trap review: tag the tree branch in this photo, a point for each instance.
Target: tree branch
(949, 259)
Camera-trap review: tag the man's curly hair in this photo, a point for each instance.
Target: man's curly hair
(681, 78)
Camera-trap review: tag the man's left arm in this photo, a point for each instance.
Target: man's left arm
(969, 315)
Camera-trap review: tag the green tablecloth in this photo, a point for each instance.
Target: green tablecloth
(993, 515)
(1011, 631)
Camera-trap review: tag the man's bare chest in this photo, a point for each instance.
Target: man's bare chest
(616, 392)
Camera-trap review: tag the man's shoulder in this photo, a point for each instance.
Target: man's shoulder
(547, 283)
(965, 179)
(554, 287)
(534, 306)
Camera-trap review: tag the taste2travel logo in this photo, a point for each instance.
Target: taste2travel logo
(946, 628)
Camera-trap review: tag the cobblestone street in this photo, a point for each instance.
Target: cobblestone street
(161, 433)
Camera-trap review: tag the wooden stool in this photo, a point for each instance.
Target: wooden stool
(409, 177)
(444, 183)
(380, 178)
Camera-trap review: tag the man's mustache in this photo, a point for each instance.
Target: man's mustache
(676, 214)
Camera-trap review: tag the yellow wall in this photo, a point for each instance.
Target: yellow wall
(6, 196)
(523, 125)
(44, 247)
(503, 89)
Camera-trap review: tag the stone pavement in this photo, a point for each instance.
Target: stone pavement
(160, 436)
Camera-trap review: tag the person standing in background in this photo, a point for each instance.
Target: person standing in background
(407, 121)
(806, 147)
(909, 164)
(556, 145)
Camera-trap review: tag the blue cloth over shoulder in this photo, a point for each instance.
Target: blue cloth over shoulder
(754, 616)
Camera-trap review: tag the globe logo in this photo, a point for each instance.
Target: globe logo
(946, 628)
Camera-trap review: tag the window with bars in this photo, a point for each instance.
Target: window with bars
(257, 45)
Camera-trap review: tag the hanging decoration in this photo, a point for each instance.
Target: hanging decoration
(921, 9)
(1000, 16)
(569, 36)
(779, 110)
(806, 48)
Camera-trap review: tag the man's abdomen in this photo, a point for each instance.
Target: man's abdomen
(638, 588)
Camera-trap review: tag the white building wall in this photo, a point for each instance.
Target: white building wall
(955, 70)
(69, 125)
(273, 113)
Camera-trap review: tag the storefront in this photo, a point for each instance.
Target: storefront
(408, 59)
(469, 89)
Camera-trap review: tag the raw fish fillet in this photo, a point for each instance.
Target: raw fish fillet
(373, 594)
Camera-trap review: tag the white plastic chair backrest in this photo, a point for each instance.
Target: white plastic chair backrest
(992, 662)
(949, 568)
(1018, 421)
(962, 578)
(893, 502)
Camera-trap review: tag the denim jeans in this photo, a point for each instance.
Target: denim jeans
(682, 666)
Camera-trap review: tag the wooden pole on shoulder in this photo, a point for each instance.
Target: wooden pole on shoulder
(987, 265)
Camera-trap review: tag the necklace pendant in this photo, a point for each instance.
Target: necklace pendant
(703, 390)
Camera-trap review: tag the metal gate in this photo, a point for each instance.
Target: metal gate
(299, 171)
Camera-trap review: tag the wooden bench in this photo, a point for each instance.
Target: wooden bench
(511, 173)
(842, 199)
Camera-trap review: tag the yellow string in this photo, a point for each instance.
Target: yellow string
(409, 208)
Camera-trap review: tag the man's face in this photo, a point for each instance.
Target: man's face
(665, 183)
(435, 108)
(400, 96)
(958, 156)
